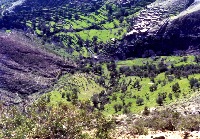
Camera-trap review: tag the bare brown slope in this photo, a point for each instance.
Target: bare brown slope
(25, 69)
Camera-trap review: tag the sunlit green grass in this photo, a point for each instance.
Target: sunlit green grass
(85, 85)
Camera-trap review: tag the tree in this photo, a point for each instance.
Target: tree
(114, 97)
(170, 96)
(176, 88)
(139, 101)
(109, 8)
(164, 95)
(184, 59)
(193, 82)
(170, 78)
(94, 39)
(121, 19)
(76, 16)
(153, 88)
(63, 95)
(126, 110)
(146, 111)
(48, 97)
(117, 107)
(68, 96)
(124, 88)
(162, 66)
(159, 100)
(111, 66)
(74, 94)
(69, 16)
(95, 100)
(137, 84)
(176, 95)
(101, 81)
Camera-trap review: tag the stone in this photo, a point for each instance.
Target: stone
(160, 137)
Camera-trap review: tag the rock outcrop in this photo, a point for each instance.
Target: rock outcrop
(25, 69)
(155, 15)
(164, 27)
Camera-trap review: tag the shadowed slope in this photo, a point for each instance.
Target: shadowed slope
(25, 69)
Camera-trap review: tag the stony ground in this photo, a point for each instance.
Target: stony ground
(170, 135)
(187, 107)
(164, 135)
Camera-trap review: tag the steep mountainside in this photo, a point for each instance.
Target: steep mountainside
(82, 28)
(25, 69)
(91, 28)
(163, 28)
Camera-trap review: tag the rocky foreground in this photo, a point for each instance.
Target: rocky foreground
(26, 69)
(165, 135)
(179, 120)
(170, 135)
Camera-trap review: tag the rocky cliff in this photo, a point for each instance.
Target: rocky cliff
(163, 28)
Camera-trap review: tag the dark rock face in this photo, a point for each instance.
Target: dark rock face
(25, 69)
(179, 36)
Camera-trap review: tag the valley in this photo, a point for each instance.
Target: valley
(99, 69)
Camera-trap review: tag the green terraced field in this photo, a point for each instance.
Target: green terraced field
(82, 21)
(87, 85)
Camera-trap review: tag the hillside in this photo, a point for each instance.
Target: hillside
(26, 69)
(162, 30)
(82, 28)
(99, 69)
(120, 29)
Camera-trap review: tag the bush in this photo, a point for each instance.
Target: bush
(60, 121)
(153, 88)
(136, 84)
(117, 107)
(176, 88)
(139, 101)
(170, 96)
(139, 128)
(146, 111)
(159, 100)
(194, 83)
(126, 110)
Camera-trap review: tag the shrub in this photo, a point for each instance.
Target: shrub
(117, 107)
(60, 121)
(170, 96)
(159, 100)
(153, 88)
(139, 128)
(139, 101)
(63, 95)
(176, 88)
(68, 96)
(126, 110)
(146, 111)
(137, 84)
(170, 78)
(114, 97)
(193, 82)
